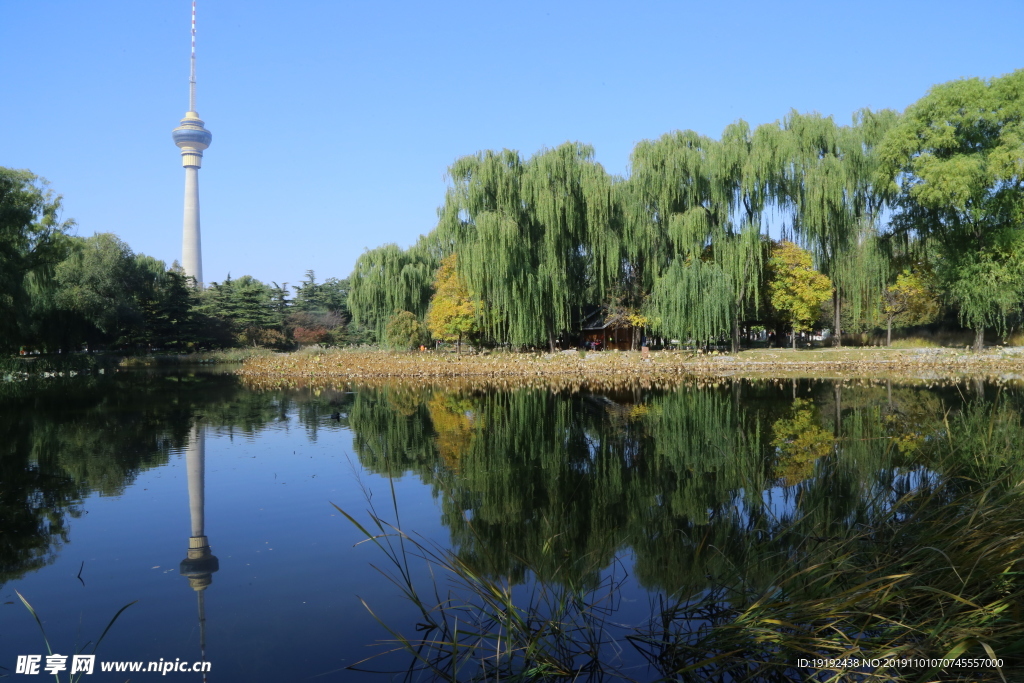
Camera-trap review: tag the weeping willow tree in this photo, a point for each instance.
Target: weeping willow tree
(864, 273)
(693, 238)
(669, 209)
(675, 208)
(829, 182)
(818, 192)
(749, 165)
(33, 240)
(571, 200)
(681, 244)
(388, 280)
(534, 239)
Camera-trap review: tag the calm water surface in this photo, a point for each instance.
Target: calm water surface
(104, 481)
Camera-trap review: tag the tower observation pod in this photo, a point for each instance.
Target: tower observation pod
(192, 138)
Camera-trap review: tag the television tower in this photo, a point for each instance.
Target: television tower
(192, 138)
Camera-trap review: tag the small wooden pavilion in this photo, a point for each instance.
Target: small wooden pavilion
(599, 332)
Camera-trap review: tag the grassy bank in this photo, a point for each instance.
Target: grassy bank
(340, 364)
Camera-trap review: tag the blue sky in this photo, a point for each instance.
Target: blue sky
(334, 122)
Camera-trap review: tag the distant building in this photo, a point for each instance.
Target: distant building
(599, 328)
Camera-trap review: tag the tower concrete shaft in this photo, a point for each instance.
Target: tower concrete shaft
(199, 563)
(195, 468)
(191, 237)
(192, 138)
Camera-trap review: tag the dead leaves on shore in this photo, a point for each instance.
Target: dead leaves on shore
(571, 370)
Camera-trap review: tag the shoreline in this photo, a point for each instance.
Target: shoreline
(912, 364)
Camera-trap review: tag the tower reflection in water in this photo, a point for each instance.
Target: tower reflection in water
(200, 563)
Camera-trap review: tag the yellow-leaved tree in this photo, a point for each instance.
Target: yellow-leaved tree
(797, 290)
(453, 312)
(911, 300)
(800, 441)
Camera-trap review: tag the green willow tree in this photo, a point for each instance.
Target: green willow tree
(33, 240)
(693, 238)
(571, 201)
(670, 210)
(388, 280)
(534, 239)
(956, 161)
(864, 271)
(749, 167)
(830, 186)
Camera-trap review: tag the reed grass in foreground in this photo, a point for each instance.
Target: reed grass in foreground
(72, 678)
(934, 573)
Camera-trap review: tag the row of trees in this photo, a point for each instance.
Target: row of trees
(262, 315)
(58, 291)
(898, 211)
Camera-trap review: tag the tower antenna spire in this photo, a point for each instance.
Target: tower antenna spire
(192, 69)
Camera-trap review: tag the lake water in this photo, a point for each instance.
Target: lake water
(628, 494)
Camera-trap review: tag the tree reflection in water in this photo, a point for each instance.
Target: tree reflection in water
(773, 523)
(767, 520)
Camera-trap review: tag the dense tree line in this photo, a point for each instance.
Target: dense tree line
(898, 212)
(904, 217)
(60, 292)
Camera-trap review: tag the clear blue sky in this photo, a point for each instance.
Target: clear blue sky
(334, 122)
